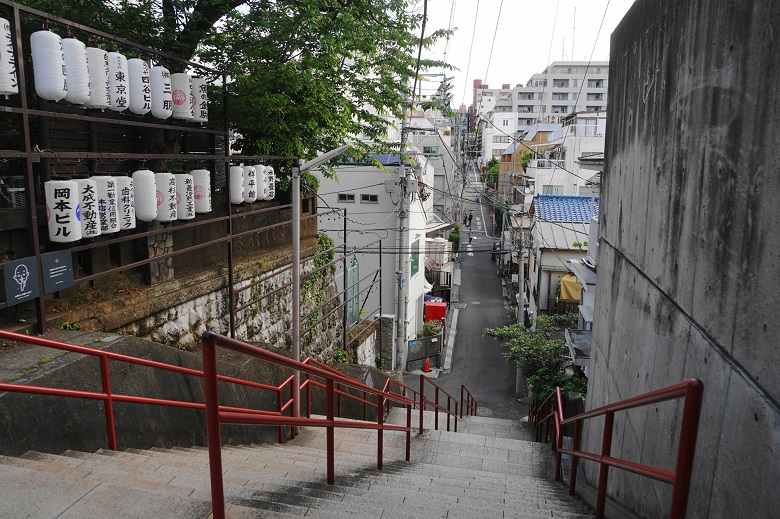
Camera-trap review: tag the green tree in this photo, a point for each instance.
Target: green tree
(541, 353)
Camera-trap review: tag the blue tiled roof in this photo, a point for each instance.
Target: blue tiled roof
(560, 208)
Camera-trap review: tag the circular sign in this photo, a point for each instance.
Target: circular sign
(179, 97)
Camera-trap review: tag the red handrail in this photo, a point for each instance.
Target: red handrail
(424, 402)
(470, 405)
(551, 409)
(216, 415)
(108, 396)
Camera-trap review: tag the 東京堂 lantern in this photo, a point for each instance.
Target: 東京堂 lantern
(117, 82)
(48, 65)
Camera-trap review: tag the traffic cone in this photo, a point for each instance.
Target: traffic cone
(427, 366)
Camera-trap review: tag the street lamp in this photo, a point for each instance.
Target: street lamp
(296, 263)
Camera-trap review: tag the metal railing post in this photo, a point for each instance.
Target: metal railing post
(380, 436)
(108, 403)
(436, 408)
(279, 405)
(687, 447)
(574, 457)
(448, 412)
(422, 401)
(212, 428)
(456, 416)
(329, 437)
(409, 432)
(606, 449)
(461, 397)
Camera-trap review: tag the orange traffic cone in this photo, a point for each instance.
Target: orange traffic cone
(427, 366)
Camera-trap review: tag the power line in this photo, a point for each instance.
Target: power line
(495, 32)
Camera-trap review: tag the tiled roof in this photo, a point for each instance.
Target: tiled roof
(560, 208)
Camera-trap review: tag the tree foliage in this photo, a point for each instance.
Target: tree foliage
(302, 75)
(541, 353)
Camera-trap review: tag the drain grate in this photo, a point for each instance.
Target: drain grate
(484, 411)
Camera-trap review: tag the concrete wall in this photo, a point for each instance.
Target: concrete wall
(689, 282)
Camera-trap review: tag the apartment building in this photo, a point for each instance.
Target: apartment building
(563, 88)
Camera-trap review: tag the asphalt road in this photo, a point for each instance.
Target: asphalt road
(478, 362)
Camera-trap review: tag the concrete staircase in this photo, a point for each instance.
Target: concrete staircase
(485, 470)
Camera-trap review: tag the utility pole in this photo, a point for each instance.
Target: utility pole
(403, 271)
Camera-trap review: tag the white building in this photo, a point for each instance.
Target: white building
(564, 87)
(371, 197)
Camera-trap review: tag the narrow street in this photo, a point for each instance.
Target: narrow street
(477, 360)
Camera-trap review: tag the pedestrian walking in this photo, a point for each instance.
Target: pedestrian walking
(471, 215)
(470, 237)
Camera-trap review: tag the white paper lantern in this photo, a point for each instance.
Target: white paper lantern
(236, 184)
(185, 196)
(202, 190)
(270, 178)
(76, 71)
(162, 103)
(48, 65)
(181, 92)
(99, 89)
(250, 184)
(139, 86)
(88, 202)
(125, 203)
(166, 197)
(201, 94)
(117, 80)
(107, 204)
(145, 190)
(262, 181)
(8, 81)
(62, 210)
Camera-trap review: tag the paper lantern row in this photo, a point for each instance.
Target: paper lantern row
(85, 208)
(67, 69)
(251, 183)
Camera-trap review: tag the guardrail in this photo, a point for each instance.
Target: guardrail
(217, 415)
(108, 397)
(549, 418)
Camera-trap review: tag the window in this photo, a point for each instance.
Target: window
(560, 109)
(560, 83)
(589, 191)
(415, 258)
(347, 198)
(430, 150)
(500, 109)
(552, 190)
(501, 138)
(369, 199)
(524, 109)
(524, 96)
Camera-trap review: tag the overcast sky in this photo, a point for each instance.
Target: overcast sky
(528, 37)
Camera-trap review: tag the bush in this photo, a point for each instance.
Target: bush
(542, 354)
(430, 329)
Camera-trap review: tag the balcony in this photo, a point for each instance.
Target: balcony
(545, 164)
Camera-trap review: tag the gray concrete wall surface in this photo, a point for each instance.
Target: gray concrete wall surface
(689, 277)
(55, 424)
